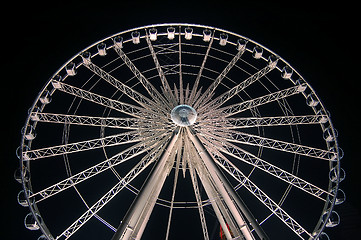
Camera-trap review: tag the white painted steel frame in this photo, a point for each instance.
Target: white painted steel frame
(237, 208)
(133, 224)
(148, 128)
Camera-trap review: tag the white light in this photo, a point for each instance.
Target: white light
(118, 42)
(102, 49)
(71, 69)
(153, 34)
(223, 39)
(188, 33)
(171, 33)
(136, 37)
(207, 35)
(183, 115)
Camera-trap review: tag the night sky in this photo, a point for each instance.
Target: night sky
(318, 40)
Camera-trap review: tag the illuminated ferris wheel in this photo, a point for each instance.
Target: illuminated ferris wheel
(174, 131)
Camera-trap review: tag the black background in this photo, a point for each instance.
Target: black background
(319, 40)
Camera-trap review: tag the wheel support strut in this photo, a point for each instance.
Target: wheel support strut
(238, 210)
(135, 221)
(229, 208)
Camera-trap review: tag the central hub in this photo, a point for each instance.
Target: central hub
(183, 115)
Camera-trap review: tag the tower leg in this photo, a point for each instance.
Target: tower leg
(230, 197)
(134, 222)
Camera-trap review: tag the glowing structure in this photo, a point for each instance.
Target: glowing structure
(155, 101)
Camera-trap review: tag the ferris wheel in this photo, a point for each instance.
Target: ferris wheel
(178, 130)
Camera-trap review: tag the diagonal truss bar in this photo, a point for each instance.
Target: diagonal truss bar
(237, 123)
(101, 100)
(123, 183)
(112, 122)
(166, 88)
(254, 140)
(171, 69)
(240, 87)
(136, 219)
(153, 92)
(118, 139)
(134, 95)
(166, 48)
(199, 75)
(271, 169)
(233, 171)
(208, 93)
(243, 106)
(121, 157)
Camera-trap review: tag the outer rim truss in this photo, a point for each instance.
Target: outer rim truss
(156, 106)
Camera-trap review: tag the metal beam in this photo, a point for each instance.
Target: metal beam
(208, 93)
(181, 95)
(238, 88)
(260, 195)
(229, 195)
(112, 122)
(123, 183)
(139, 98)
(101, 100)
(153, 92)
(271, 169)
(167, 91)
(255, 102)
(240, 107)
(136, 219)
(122, 138)
(254, 140)
(117, 159)
(196, 83)
(247, 122)
(222, 213)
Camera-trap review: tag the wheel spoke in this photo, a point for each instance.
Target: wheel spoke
(117, 159)
(101, 100)
(166, 88)
(238, 123)
(123, 138)
(199, 75)
(271, 169)
(181, 95)
(195, 99)
(225, 164)
(254, 140)
(217, 102)
(128, 178)
(126, 123)
(134, 95)
(156, 96)
(246, 105)
(208, 93)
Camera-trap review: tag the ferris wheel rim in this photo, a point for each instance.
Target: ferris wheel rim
(183, 25)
